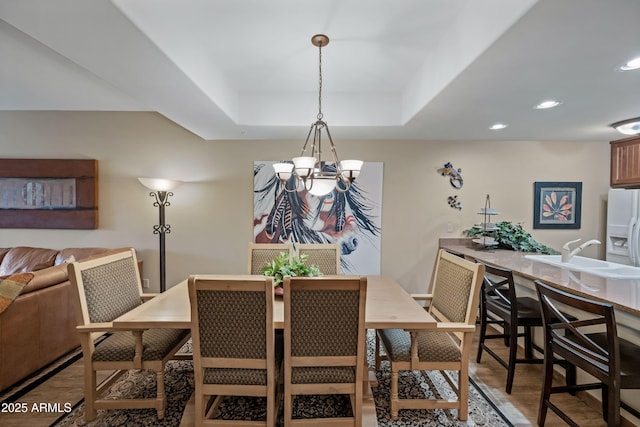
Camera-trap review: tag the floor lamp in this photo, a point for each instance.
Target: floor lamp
(161, 190)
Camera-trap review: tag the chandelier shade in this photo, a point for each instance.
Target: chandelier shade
(304, 166)
(310, 169)
(283, 170)
(321, 185)
(351, 168)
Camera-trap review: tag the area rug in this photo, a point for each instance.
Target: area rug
(179, 387)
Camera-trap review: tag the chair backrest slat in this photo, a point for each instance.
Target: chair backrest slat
(261, 254)
(319, 317)
(232, 317)
(455, 289)
(573, 338)
(325, 255)
(325, 315)
(110, 285)
(219, 310)
(499, 292)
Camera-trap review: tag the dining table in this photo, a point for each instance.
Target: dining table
(388, 305)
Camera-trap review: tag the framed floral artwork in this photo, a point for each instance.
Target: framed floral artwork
(557, 205)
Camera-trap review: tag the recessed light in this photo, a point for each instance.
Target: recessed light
(547, 104)
(498, 126)
(633, 64)
(628, 127)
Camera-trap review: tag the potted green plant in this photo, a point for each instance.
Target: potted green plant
(512, 236)
(283, 265)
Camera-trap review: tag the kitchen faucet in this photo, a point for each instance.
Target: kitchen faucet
(567, 253)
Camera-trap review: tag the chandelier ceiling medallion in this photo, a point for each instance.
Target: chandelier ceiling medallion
(318, 177)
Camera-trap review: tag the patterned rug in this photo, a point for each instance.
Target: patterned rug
(179, 387)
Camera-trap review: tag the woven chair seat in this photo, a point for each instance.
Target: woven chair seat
(432, 346)
(120, 346)
(323, 375)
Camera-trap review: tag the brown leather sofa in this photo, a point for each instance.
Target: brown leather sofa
(39, 325)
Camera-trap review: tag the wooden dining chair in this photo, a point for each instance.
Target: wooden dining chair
(324, 343)
(446, 345)
(106, 288)
(325, 255)
(590, 342)
(499, 305)
(234, 350)
(261, 254)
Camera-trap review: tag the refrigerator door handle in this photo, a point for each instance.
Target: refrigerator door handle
(630, 241)
(634, 251)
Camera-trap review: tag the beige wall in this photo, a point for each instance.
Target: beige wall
(211, 214)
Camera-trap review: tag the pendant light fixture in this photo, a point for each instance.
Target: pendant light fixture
(318, 177)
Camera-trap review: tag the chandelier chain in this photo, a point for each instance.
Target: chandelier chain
(320, 82)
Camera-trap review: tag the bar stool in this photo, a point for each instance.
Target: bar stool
(500, 305)
(613, 361)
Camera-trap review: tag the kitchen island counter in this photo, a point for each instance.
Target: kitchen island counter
(624, 294)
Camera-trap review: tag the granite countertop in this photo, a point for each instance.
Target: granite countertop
(623, 293)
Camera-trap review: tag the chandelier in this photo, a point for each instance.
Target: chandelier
(318, 177)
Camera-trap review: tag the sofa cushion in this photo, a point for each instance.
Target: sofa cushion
(76, 254)
(23, 259)
(3, 252)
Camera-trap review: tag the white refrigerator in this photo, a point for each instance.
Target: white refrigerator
(623, 226)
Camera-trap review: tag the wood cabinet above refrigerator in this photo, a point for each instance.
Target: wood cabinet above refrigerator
(625, 163)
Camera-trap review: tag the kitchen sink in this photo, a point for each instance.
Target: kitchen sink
(625, 272)
(593, 266)
(576, 261)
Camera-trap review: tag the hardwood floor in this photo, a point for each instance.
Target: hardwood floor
(520, 407)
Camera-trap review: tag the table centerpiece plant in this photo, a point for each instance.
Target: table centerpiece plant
(284, 265)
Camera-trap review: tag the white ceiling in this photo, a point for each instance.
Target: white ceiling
(394, 69)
